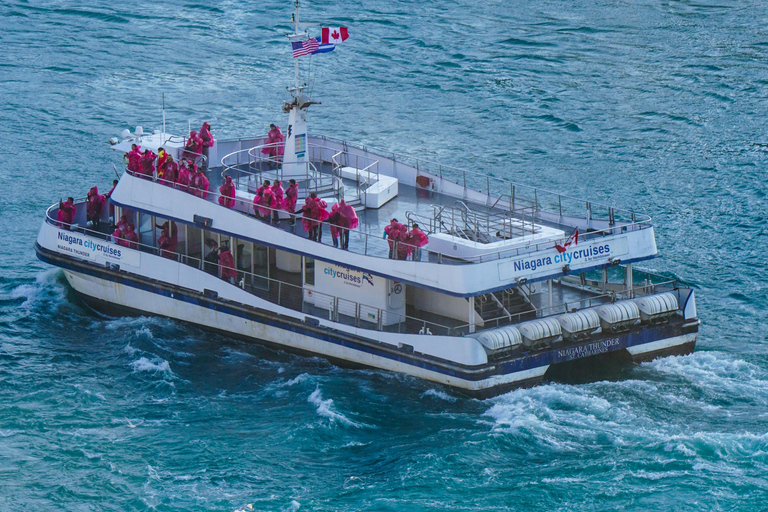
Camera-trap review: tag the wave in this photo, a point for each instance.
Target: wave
(325, 410)
(154, 366)
(48, 287)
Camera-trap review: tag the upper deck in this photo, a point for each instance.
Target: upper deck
(480, 240)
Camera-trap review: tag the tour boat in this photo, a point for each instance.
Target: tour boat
(516, 285)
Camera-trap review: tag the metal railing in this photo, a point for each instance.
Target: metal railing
(573, 305)
(509, 194)
(284, 294)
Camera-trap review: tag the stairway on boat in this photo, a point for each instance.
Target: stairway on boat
(505, 306)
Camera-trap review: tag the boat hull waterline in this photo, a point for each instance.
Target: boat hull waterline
(116, 293)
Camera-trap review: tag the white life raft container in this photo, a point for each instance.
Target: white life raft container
(617, 316)
(540, 333)
(579, 324)
(657, 307)
(500, 338)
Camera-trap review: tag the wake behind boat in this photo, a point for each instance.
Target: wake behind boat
(456, 277)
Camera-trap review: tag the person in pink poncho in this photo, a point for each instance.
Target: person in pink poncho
(134, 159)
(279, 193)
(227, 193)
(166, 245)
(275, 146)
(182, 182)
(172, 231)
(94, 207)
(264, 200)
(171, 172)
(417, 239)
(403, 247)
(200, 182)
(347, 220)
(320, 214)
(335, 224)
(194, 146)
(227, 270)
(147, 164)
(131, 236)
(391, 233)
(207, 139)
(66, 214)
(118, 236)
(291, 196)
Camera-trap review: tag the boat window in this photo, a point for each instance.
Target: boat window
(194, 249)
(211, 247)
(244, 259)
(309, 271)
(147, 229)
(261, 266)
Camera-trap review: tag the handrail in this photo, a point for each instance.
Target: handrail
(419, 164)
(202, 264)
(512, 200)
(563, 308)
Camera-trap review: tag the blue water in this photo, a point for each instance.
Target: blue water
(656, 106)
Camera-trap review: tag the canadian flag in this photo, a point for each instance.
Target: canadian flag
(573, 239)
(334, 35)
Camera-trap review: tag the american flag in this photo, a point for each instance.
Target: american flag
(307, 47)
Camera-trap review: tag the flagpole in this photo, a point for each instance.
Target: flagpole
(296, 61)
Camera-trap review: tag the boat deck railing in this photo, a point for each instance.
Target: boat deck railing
(281, 293)
(650, 284)
(481, 226)
(501, 193)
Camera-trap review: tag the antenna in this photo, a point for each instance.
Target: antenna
(163, 136)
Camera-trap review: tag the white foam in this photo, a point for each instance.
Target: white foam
(293, 506)
(439, 394)
(325, 409)
(145, 365)
(47, 284)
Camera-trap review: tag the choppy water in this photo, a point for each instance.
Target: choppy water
(657, 106)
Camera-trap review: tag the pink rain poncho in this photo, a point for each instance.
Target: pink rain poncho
(170, 228)
(148, 164)
(392, 231)
(200, 182)
(277, 190)
(404, 248)
(66, 214)
(118, 236)
(348, 216)
(182, 182)
(165, 244)
(171, 173)
(206, 137)
(335, 221)
(417, 238)
(291, 196)
(264, 199)
(227, 191)
(194, 146)
(227, 265)
(122, 224)
(134, 159)
(275, 143)
(131, 236)
(95, 204)
(319, 211)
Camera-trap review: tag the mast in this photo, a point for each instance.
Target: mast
(296, 157)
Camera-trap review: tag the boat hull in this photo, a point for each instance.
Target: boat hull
(115, 292)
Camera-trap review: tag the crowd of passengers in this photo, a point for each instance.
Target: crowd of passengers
(270, 199)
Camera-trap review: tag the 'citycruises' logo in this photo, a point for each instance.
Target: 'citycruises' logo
(567, 257)
(87, 245)
(349, 276)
